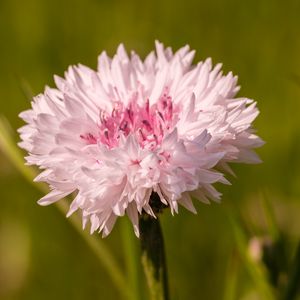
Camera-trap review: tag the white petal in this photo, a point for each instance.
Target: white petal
(53, 196)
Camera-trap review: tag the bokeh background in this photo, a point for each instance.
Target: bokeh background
(212, 255)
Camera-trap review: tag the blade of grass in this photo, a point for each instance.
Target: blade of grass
(294, 278)
(132, 259)
(255, 269)
(8, 147)
(24, 87)
(270, 216)
(231, 278)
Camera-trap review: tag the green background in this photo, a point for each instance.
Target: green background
(41, 256)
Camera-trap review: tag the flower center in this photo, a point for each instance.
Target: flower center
(148, 123)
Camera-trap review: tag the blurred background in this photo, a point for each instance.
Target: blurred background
(242, 248)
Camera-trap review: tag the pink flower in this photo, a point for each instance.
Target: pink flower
(132, 128)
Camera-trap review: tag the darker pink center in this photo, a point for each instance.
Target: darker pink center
(148, 123)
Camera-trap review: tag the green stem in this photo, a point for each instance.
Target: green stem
(153, 257)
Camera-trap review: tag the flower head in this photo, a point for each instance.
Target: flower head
(133, 128)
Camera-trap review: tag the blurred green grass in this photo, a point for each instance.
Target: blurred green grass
(41, 256)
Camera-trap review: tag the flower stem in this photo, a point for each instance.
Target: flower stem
(153, 257)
